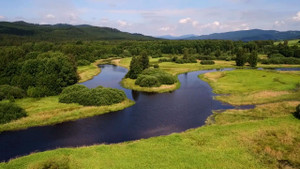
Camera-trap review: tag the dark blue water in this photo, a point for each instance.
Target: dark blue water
(152, 115)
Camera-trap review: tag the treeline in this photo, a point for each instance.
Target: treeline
(44, 68)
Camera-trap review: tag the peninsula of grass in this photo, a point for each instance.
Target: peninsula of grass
(130, 84)
(242, 87)
(49, 111)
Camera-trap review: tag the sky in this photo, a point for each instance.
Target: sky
(159, 17)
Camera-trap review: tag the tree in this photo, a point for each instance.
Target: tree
(241, 58)
(185, 53)
(144, 60)
(253, 59)
(218, 53)
(135, 68)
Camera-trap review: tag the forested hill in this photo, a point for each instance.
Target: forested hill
(35, 32)
(254, 34)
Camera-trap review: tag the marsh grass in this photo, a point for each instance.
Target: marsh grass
(48, 111)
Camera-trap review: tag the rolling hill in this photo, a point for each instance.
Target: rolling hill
(245, 35)
(22, 30)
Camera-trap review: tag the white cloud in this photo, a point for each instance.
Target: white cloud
(167, 28)
(297, 17)
(50, 16)
(279, 23)
(2, 17)
(185, 20)
(122, 23)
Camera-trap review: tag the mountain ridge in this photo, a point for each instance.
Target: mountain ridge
(246, 35)
(61, 31)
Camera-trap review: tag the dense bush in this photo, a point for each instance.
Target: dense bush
(156, 66)
(188, 60)
(297, 113)
(83, 62)
(99, 96)
(10, 111)
(207, 58)
(7, 92)
(147, 81)
(154, 78)
(39, 91)
(54, 163)
(207, 62)
(281, 60)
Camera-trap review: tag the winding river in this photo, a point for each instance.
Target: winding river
(152, 115)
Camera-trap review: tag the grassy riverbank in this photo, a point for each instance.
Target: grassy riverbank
(259, 138)
(48, 111)
(254, 86)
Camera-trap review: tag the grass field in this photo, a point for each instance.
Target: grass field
(291, 42)
(48, 111)
(254, 86)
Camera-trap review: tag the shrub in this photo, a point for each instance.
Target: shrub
(297, 113)
(281, 60)
(99, 96)
(207, 62)
(54, 163)
(10, 111)
(83, 62)
(156, 66)
(207, 58)
(7, 91)
(147, 81)
(39, 91)
(155, 78)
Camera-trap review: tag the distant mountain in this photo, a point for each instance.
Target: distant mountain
(27, 31)
(249, 35)
(170, 37)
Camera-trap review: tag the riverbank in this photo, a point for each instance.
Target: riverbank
(245, 87)
(48, 111)
(257, 138)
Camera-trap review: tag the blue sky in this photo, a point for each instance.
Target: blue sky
(159, 17)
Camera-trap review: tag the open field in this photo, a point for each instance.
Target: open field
(254, 86)
(291, 42)
(48, 111)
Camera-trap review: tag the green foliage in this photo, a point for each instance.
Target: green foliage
(207, 62)
(39, 91)
(281, 60)
(144, 60)
(10, 111)
(136, 67)
(54, 163)
(241, 58)
(207, 58)
(147, 81)
(7, 92)
(156, 66)
(83, 62)
(275, 55)
(297, 113)
(99, 96)
(154, 78)
(253, 58)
